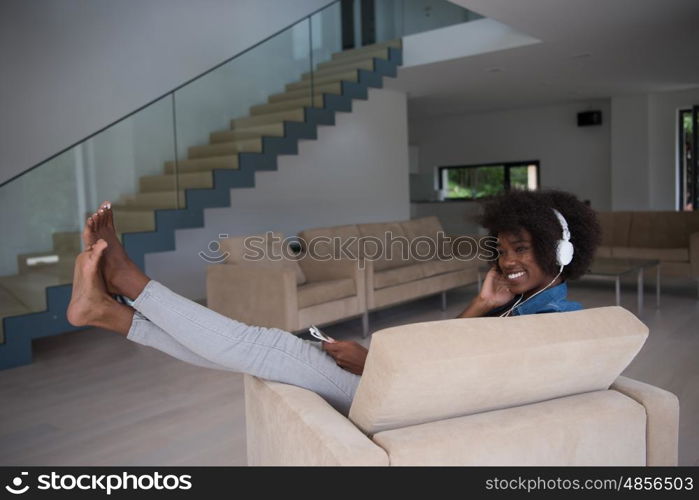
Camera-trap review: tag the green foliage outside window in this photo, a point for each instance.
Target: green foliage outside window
(475, 182)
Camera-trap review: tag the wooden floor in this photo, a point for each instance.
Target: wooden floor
(93, 398)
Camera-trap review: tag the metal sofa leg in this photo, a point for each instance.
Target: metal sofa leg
(365, 324)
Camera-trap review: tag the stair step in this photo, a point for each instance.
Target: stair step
(328, 88)
(9, 306)
(226, 148)
(134, 221)
(346, 76)
(275, 107)
(270, 130)
(294, 115)
(152, 200)
(397, 43)
(170, 182)
(361, 63)
(380, 53)
(202, 164)
(67, 242)
(30, 288)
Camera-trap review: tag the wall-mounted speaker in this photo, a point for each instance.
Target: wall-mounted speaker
(588, 118)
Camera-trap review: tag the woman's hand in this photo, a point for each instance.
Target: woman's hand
(494, 293)
(348, 355)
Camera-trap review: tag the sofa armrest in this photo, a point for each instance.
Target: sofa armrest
(288, 425)
(694, 253)
(662, 419)
(256, 295)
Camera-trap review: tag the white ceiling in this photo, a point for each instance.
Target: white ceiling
(590, 49)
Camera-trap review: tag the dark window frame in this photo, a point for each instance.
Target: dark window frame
(506, 184)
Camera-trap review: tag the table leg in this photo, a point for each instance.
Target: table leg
(639, 290)
(618, 290)
(657, 286)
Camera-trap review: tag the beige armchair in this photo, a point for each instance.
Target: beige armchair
(531, 390)
(289, 294)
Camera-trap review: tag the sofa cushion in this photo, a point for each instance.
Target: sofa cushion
(603, 251)
(442, 266)
(319, 292)
(657, 230)
(443, 369)
(394, 254)
(425, 230)
(398, 275)
(321, 242)
(663, 254)
(264, 251)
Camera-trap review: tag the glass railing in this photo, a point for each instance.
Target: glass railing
(393, 19)
(145, 162)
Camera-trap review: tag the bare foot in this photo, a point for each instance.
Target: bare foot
(121, 275)
(90, 299)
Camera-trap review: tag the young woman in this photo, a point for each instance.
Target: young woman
(527, 278)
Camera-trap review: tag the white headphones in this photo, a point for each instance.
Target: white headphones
(564, 256)
(564, 248)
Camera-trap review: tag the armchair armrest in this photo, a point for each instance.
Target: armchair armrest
(288, 425)
(694, 253)
(662, 419)
(257, 295)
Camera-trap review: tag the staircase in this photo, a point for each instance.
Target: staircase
(34, 301)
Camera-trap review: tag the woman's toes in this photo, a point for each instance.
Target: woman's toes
(109, 216)
(87, 234)
(98, 248)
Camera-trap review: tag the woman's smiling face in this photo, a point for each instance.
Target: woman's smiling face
(517, 261)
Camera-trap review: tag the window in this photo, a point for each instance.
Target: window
(687, 155)
(472, 182)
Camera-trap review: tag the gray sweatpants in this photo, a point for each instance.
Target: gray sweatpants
(192, 333)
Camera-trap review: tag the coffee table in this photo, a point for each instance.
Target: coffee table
(613, 268)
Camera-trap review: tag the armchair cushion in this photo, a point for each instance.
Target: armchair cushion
(596, 428)
(319, 292)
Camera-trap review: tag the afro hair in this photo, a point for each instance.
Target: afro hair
(532, 210)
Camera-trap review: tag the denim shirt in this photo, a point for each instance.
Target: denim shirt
(550, 300)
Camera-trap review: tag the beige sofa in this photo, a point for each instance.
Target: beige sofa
(671, 237)
(287, 293)
(399, 277)
(529, 390)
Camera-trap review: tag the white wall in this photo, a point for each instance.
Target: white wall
(572, 158)
(71, 67)
(356, 171)
(630, 143)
